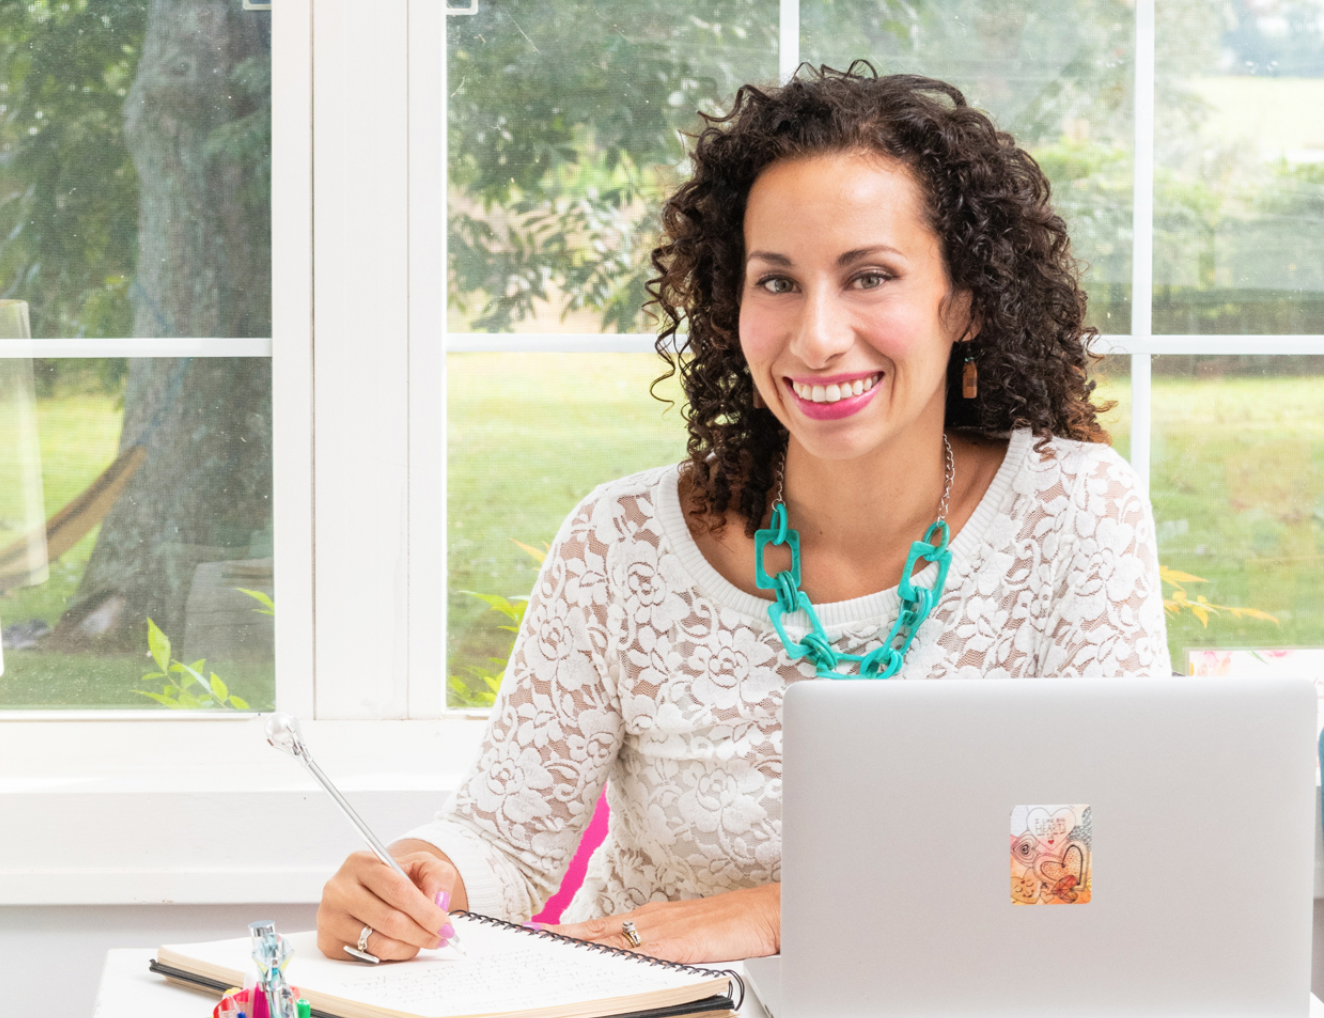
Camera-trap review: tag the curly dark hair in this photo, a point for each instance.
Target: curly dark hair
(986, 200)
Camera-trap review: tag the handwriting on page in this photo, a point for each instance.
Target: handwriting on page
(538, 974)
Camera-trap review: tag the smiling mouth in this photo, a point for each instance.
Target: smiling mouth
(836, 392)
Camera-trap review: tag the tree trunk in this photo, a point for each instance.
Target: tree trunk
(200, 99)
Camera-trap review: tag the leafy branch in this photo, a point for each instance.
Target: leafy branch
(1201, 607)
(477, 686)
(179, 678)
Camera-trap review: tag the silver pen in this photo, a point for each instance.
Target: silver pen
(283, 733)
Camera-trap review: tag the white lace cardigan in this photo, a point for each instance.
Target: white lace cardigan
(638, 664)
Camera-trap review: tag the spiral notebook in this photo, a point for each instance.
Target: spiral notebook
(510, 971)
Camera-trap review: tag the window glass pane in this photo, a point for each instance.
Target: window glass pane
(1238, 493)
(1239, 175)
(156, 478)
(529, 436)
(1057, 75)
(1112, 378)
(135, 166)
(563, 136)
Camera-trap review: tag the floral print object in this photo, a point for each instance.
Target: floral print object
(637, 662)
(1051, 855)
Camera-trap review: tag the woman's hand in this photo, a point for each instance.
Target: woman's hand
(405, 915)
(725, 927)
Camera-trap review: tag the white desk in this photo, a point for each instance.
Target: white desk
(129, 990)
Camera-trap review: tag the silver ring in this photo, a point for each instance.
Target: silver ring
(361, 952)
(631, 934)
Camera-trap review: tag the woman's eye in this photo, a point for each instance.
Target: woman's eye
(776, 284)
(870, 281)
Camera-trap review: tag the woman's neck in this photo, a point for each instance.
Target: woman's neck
(886, 498)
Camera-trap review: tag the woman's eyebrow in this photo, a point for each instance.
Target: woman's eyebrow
(769, 256)
(864, 252)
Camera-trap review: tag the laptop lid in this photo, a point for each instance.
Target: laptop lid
(1029, 847)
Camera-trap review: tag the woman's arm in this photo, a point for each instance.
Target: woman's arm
(514, 823)
(1106, 617)
(723, 927)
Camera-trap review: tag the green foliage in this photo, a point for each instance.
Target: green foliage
(268, 605)
(68, 188)
(563, 136)
(1201, 607)
(179, 679)
(478, 685)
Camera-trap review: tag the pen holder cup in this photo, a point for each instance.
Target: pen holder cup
(252, 1002)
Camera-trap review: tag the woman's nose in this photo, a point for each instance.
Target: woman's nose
(822, 331)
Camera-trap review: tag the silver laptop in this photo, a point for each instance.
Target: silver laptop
(1074, 847)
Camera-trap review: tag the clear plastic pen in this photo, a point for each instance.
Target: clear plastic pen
(283, 733)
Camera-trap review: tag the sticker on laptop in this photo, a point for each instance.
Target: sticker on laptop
(1050, 855)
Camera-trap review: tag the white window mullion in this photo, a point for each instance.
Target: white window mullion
(788, 39)
(172, 346)
(361, 369)
(427, 361)
(1142, 249)
(291, 351)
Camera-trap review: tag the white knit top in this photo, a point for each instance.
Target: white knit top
(640, 665)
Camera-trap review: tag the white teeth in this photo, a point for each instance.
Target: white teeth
(835, 392)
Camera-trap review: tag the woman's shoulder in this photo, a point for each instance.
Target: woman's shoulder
(1061, 460)
(1089, 476)
(623, 504)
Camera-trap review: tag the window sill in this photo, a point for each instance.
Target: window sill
(199, 811)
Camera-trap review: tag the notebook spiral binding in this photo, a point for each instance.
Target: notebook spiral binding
(608, 949)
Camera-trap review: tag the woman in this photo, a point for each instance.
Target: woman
(885, 345)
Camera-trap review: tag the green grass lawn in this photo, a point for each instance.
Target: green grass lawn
(1238, 492)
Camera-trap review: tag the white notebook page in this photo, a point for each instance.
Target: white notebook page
(506, 970)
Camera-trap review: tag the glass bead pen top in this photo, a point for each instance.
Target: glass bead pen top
(282, 731)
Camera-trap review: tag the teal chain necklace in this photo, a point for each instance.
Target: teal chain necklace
(916, 601)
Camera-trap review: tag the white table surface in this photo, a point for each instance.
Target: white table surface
(129, 990)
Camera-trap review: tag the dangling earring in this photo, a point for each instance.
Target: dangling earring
(970, 378)
(758, 400)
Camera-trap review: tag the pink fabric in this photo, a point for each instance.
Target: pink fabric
(574, 876)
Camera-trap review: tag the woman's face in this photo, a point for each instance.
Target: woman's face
(847, 318)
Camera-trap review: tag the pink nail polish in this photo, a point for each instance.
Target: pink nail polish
(533, 926)
(447, 932)
(444, 943)
(443, 900)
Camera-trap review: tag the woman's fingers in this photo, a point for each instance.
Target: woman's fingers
(609, 930)
(410, 898)
(333, 938)
(405, 914)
